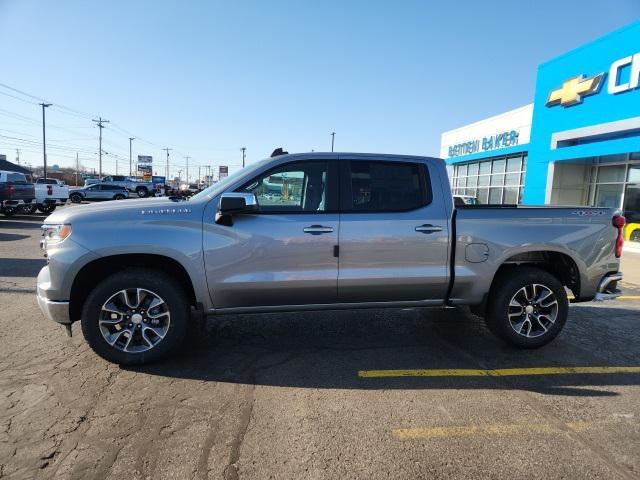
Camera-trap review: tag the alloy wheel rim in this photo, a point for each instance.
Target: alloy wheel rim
(134, 320)
(533, 310)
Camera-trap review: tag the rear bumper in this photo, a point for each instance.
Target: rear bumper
(608, 287)
(55, 201)
(15, 203)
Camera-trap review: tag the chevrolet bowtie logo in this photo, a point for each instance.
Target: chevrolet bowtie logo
(574, 89)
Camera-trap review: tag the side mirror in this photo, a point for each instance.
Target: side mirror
(235, 203)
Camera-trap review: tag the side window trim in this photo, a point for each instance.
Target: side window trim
(346, 193)
(331, 191)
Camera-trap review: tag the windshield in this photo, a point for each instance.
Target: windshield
(219, 187)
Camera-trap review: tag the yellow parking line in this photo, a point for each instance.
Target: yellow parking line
(499, 372)
(492, 429)
(629, 297)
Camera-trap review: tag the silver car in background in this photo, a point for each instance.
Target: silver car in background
(98, 191)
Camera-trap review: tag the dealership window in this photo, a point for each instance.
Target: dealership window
(498, 180)
(615, 182)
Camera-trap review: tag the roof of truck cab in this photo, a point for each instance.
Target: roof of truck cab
(351, 155)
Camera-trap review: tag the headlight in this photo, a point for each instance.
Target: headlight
(54, 233)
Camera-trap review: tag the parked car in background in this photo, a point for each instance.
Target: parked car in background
(16, 193)
(98, 191)
(187, 190)
(141, 189)
(350, 231)
(50, 192)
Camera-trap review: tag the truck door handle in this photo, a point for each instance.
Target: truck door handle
(317, 229)
(428, 228)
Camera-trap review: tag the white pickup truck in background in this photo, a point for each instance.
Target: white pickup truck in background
(50, 193)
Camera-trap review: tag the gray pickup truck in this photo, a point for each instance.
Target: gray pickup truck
(320, 231)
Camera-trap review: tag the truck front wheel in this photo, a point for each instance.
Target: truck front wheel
(527, 308)
(135, 317)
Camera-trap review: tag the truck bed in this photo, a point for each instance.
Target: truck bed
(577, 240)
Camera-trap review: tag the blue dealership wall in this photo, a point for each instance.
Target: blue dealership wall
(601, 107)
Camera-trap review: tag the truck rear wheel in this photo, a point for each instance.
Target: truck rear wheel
(8, 211)
(528, 307)
(46, 207)
(142, 192)
(135, 317)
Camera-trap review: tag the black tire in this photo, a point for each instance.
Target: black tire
(155, 281)
(635, 236)
(75, 198)
(46, 207)
(9, 211)
(29, 209)
(506, 287)
(119, 196)
(142, 192)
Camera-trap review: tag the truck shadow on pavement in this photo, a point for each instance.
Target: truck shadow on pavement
(20, 267)
(25, 222)
(329, 349)
(11, 237)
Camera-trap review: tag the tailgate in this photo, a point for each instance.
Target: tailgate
(19, 191)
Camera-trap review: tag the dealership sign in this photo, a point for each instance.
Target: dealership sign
(223, 172)
(492, 142)
(145, 164)
(624, 75)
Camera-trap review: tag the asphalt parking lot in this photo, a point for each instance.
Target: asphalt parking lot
(351, 394)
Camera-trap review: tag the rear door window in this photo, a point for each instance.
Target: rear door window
(375, 186)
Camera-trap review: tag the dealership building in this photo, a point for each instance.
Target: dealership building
(578, 143)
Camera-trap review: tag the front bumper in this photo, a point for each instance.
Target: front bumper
(608, 287)
(56, 311)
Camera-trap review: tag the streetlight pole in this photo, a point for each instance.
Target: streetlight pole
(100, 123)
(167, 149)
(44, 139)
(131, 139)
(244, 149)
(187, 159)
(333, 136)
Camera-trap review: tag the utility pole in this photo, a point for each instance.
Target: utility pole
(77, 168)
(100, 123)
(333, 136)
(167, 149)
(199, 177)
(18, 156)
(244, 149)
(187, 159)
(44, 140)
(131, 139)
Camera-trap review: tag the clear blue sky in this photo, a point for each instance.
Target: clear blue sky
(207, 78)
